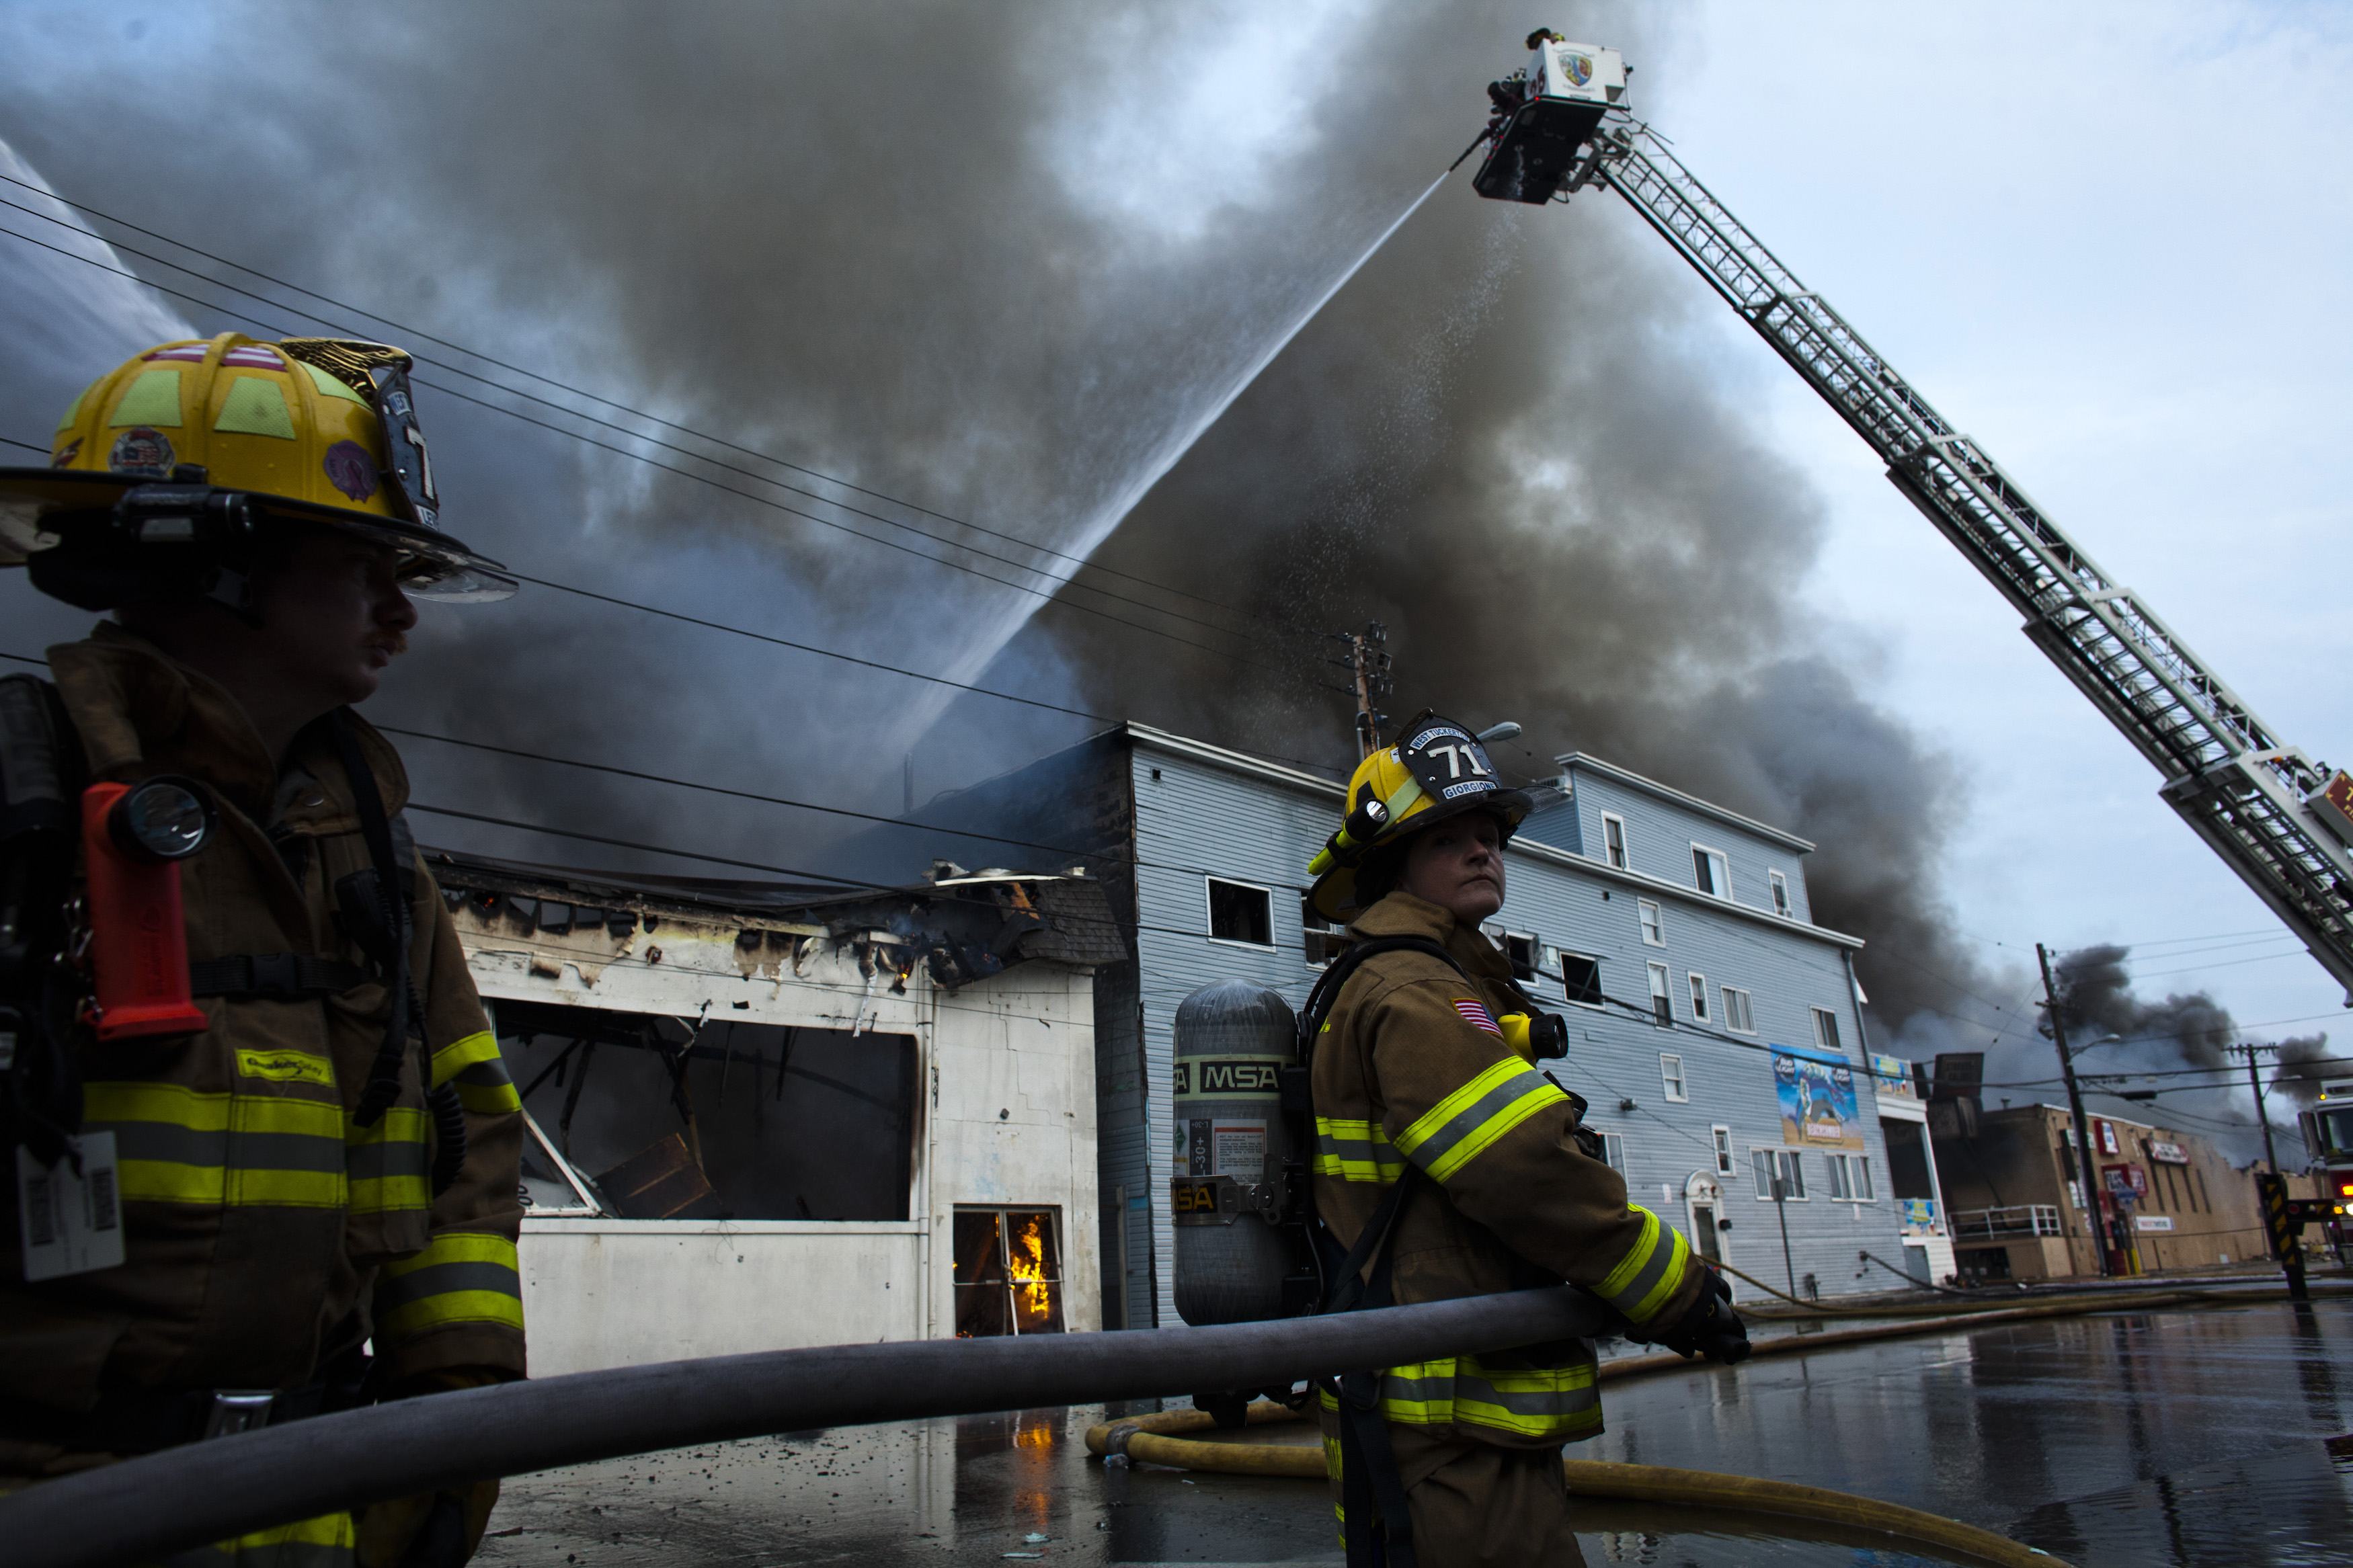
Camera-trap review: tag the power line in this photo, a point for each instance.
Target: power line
(1042, 594)
(544, 379)
(851, 882)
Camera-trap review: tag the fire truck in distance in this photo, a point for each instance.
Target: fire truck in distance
(2329, 1134)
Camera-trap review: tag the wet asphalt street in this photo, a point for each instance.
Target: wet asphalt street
(2218, 1437)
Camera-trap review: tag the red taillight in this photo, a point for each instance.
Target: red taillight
(2344, 1189)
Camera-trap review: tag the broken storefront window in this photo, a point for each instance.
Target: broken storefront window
(665, 1117)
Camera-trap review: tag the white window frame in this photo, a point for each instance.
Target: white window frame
(1536, 955)
(1618, 855)
(1786, 1159)
(1307, 914)
(1847, 1172)
(1663, 1000)
(1209, 916)
(1717, 860)
(1698, 996)
(1654, 923)
(1565, 989)
(1674, 1080)
(1734, 1013)
(1721, 1137)
(1826, 1032)
(1613, 1151)
(1781, 904)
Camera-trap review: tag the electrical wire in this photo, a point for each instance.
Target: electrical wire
(419, 332)
(1046, 596)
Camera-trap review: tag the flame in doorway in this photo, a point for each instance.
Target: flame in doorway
(1027, 1267)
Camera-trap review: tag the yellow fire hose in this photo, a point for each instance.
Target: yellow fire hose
(1149, 1438)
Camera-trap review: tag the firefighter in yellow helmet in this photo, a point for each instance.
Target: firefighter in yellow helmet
(1450, 1164)
(315, 1148)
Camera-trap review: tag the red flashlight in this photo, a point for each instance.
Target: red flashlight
(133, 838)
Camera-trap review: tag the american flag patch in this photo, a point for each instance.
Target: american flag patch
(253, 357)
(1474, 1013)
(196, 352)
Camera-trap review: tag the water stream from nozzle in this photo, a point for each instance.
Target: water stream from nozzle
(1003, 620)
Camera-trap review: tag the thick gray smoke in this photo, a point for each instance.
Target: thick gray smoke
(1002, 263)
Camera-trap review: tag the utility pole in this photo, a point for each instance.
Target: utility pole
(1781, 1207)
(1368, 663)
(2271, 1156)
(2075, 1106)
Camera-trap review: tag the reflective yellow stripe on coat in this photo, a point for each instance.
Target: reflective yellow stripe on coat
(1466, 1123)
(1647, 1276)
(327, 1542)
(389, 1163)
(1541, 1404)
(463, 1277)
(1355, 1152)
(178, 1145)
(474, 1065)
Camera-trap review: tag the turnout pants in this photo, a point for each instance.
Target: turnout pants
(1473, 1505)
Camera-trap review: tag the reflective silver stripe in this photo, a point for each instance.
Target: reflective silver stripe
(1461, 1127)
(192, 1146)
(441, 1279)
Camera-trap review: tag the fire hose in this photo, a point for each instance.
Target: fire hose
(187, 1496)
(1156, 1440)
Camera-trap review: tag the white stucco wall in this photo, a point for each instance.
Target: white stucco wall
(1006, 1116)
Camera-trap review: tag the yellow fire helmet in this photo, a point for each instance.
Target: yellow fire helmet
(1438, 769)
(163, 473)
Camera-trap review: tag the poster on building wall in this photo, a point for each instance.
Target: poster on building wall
(1891, 1074)
(1817, 1106)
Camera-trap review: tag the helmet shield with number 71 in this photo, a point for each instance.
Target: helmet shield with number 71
(1437, 770)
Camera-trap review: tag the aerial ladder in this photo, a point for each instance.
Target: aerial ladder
(2278, 818)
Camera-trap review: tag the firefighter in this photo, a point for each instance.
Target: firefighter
(333, 1161)
(1452, 1166)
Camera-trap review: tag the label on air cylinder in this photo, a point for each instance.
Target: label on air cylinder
(72, 1220)
(1214, 1077)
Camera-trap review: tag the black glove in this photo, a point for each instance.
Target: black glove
(1710, 1327)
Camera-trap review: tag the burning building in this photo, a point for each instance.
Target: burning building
(762, 1116)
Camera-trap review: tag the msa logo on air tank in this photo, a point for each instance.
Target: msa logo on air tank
(1216, 1075)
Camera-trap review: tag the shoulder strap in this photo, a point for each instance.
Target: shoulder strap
(1328, 985)
(384, 1078)
(40, 836)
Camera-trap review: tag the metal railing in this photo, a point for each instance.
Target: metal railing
(2002, 1223)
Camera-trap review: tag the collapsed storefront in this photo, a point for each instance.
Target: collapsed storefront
(753, 1109)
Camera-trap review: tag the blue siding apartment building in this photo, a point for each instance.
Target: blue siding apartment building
(1715, 1028)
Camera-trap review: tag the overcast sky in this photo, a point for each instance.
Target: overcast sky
(2104, 239)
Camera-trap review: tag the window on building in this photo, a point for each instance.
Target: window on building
(1662, 1012)
(1009, 1272)
(1613, 839)
(1826, 1033)
(1711, 873)
(1580, 976)
(1671, 1078)
(1699, 997)
(1739, 1015)
(1320, 940)
(1241, 912)
(1850, 1177)
(1722, 1136)
(1654, 930)
(1784, 1163)
(1522, 951)
(1780, 894)
(1613, 1151)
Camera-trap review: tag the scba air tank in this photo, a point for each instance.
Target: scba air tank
(1237, 1180)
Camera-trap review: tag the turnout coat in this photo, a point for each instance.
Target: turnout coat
(1411, 1069)
(265, 1229)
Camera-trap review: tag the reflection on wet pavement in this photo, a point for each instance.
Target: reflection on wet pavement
(2168, 1437)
